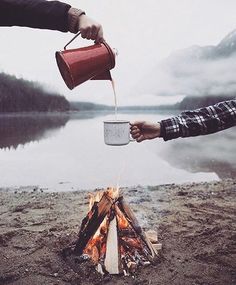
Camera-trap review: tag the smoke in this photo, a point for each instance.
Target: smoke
(193, 77)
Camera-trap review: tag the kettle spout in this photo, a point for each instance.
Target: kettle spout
(103, 76)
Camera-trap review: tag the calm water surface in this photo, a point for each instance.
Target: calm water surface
(68, 152)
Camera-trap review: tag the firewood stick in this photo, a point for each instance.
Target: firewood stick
(91, 222)
(127, 233)
(112, 252)
(124, 207)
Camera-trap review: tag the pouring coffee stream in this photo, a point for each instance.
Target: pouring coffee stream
(115, 97)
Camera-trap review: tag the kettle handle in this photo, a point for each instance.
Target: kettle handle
(72, 40)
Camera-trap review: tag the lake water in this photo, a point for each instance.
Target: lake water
(67, 152)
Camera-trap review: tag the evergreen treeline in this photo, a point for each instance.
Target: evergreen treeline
(18, 95)
(189, 103)
(87, 106)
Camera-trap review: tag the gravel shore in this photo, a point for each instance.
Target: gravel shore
(196, 224)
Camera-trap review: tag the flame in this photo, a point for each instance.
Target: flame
(122, 222)
(121, 219)
(111, 192)
(96, 247)
(94, 198)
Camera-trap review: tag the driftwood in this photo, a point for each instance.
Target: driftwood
(152, 236)
(92, 221)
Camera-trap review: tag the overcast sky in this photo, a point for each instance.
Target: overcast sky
(143, 32)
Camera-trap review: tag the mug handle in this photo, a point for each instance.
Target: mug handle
(132, 140)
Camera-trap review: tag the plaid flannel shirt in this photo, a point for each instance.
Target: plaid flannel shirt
(201, 121)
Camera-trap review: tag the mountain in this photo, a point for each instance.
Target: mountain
(19, 95)
(199, 71)
(225, 48)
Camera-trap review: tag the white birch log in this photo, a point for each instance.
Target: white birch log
(112, 253)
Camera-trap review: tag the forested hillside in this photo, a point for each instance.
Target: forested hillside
(18, 95)
(189, 103)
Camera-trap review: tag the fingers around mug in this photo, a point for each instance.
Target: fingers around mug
(140, 139)
(134, 128)
(134, 132)
(135, 136)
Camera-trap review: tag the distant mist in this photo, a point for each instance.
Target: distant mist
(194, 78)
(196, 71)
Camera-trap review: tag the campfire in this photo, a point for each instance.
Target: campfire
(111, 237)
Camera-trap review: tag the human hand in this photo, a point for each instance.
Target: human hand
(89, 29)
(142, 130)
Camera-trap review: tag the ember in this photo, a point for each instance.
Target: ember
(111, 236)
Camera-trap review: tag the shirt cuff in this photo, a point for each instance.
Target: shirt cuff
(170, 129)
(73, 19)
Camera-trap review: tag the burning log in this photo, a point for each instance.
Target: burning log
(134, 223)
(111, 235)
(92, 221)
(129, 214)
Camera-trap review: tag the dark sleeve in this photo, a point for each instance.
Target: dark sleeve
(202, 121)
(42, 14)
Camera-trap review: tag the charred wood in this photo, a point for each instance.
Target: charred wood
(91, 222)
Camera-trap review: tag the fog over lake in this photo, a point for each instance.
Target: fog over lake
(67, 152)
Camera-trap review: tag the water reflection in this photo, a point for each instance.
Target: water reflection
(79, 158)
(21, 129)
(211, 153)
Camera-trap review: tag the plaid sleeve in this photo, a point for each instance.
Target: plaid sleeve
(201, 121)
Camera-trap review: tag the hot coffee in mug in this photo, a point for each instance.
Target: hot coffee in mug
(117, 132)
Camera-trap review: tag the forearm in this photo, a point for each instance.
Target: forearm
(41, 14)
(202, 121)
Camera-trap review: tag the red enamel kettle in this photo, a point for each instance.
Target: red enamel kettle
(81, 64)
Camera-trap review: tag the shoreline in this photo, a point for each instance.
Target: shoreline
(195, 223)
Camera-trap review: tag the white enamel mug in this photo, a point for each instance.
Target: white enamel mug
(117, 132)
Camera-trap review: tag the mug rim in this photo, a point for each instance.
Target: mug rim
(116, 122)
